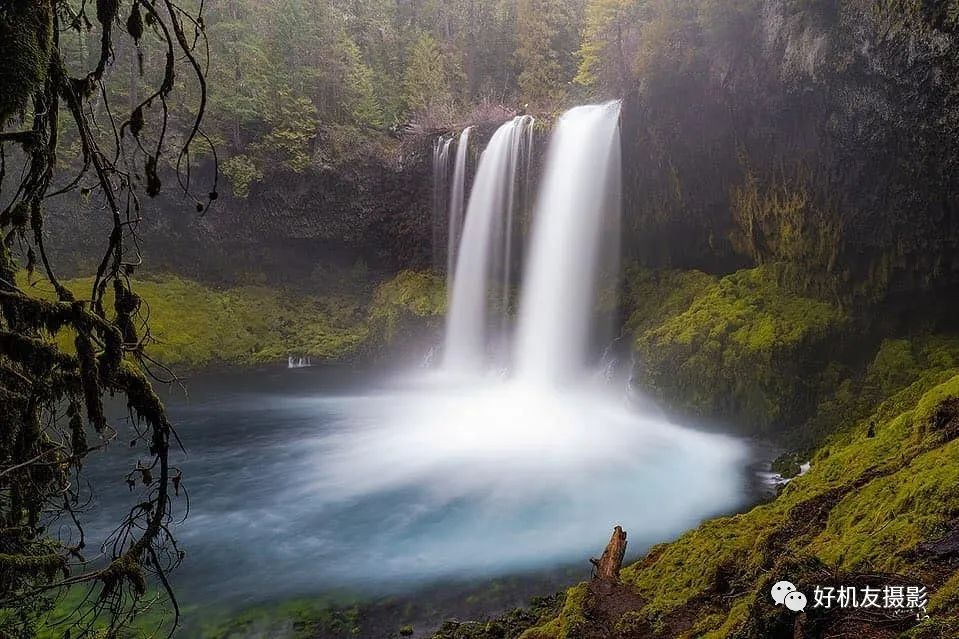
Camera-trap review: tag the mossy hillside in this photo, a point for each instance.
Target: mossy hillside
(876, 491)
(898, 373)
(741, 348)
(194, 325)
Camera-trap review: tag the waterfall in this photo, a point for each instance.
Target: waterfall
(441, 166)
(299, 362)
(457, 195)
(578, 207)
(486, 227)
(522, 136)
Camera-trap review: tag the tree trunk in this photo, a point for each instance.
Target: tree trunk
(607, 566)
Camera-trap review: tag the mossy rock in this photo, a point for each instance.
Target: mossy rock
(742, 348)
(409, 302)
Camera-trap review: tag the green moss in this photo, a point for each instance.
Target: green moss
(194, 325)
(409, 299)
(295, 619)
(26, 40)
(876, 527)
(739, 350)
(570, 622)
(654, 296)
(946, 597)
(780, 222)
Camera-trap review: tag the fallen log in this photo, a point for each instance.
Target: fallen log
(608, 566)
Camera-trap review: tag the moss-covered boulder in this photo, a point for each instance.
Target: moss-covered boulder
(405, 306)
(742, 348)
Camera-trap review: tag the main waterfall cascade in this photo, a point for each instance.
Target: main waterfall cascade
(575, 226)
(577, 215)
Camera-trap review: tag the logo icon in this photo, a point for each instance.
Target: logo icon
(781, 590)
(795, 601)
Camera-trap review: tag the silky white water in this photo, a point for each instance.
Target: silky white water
(484, 228)
(457, 199)
(578, 206)
(441, 188)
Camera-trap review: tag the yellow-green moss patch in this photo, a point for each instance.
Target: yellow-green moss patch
(740, 348)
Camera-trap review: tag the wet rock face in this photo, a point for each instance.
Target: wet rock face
(846, 111)
(372, 207)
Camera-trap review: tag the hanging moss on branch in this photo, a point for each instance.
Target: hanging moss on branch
(52, 394)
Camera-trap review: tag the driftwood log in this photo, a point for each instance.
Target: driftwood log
(608, 566)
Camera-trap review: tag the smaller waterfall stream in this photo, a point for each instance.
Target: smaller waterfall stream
(488, 222)
(441, 186)
(457, 200)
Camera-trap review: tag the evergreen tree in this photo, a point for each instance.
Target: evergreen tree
(547, 35)
(609, 45)
(426, 85)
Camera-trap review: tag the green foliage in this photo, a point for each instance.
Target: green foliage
(361, 102)
(736, 350)
(293, 121)
(547, 36)
(426, 80)
(240, 79)
(609, 45)
(242, 172)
